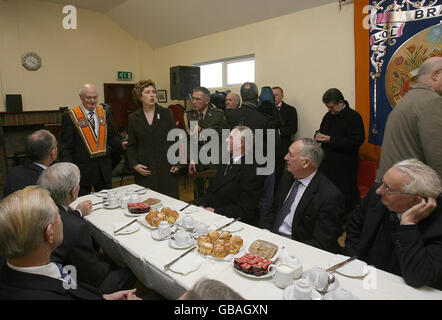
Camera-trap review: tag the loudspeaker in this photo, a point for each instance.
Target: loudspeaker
(182, 80)
(13, 103)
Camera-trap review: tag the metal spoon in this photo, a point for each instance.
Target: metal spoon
(331, 279)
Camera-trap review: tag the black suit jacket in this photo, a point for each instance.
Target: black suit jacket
(418, 247)
(237, 193)
(72, 149)
(319, 215)
(249, 115)
(15, 285)
(148, 146)
(288, 118)
(77, 250)
(22, 176)
(341, 159)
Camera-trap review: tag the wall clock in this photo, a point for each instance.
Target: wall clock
(31, 61)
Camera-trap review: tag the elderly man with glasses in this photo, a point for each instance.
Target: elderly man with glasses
(398, 227)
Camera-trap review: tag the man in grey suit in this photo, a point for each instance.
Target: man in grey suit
(414, 126)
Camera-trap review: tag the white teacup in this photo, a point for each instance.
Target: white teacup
(124, 201)
(110, 193)
(113, 201)
(164, 229)
(201, 229)
(130, 192)
(182, 238)
(188, 222)
(317, 277)
(302, 290)
(282, 274)
(342, 294)
(134, 198)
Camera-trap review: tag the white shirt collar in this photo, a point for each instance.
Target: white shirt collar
(49, 270)
(40, 165)
(86, 111)
(306, 181)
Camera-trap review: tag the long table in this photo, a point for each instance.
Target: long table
(146, 258)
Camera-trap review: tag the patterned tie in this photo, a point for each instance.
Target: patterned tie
(285, 209)
(229, 167)
(91, 120)
(66, 276)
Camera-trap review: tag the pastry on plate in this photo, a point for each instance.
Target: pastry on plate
(219, 251)
(205, 248)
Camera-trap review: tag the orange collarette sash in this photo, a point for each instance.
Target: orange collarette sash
(96, 146)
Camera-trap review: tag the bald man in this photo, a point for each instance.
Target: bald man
(85, 140)
(414, 127)
(232, 101)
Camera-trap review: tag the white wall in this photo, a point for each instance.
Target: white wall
(92, 53)
(305, 53)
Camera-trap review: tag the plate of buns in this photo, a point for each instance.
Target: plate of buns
(220, 245)
(154, 217)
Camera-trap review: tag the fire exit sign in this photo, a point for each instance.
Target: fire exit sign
(124, 75)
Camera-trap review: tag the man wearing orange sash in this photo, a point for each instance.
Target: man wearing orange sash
(85, 141)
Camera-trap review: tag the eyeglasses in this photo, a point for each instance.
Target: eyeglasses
(387, 190)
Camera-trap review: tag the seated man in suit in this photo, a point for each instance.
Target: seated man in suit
(307, 206)
(41, 149)
(62, 180)
(30, 229)
(398, 227)
(237, 188)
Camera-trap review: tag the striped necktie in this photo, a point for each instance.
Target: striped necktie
(92, 120)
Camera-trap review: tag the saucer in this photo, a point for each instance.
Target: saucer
(156, 236)
(353, 269)
(287, 293)
(329, 296)
(174, 245)
(117, 205)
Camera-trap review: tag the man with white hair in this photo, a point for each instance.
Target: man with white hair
(86, 140)
(307, 206)
(398, 227)
(232, 101)
(414, 127)
(30, 229)
(62, 181)
(237, 188)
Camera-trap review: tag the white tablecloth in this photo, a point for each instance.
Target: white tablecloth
(146, 257)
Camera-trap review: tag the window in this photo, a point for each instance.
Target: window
(228, 72)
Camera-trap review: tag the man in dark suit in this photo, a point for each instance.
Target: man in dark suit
(248, 114)
(307, 206)
(28, 235)
(288, 126)
(237, 188)
(341, 134)
(86, 141)
(62, 181)
(41, 149)
(398, 227)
